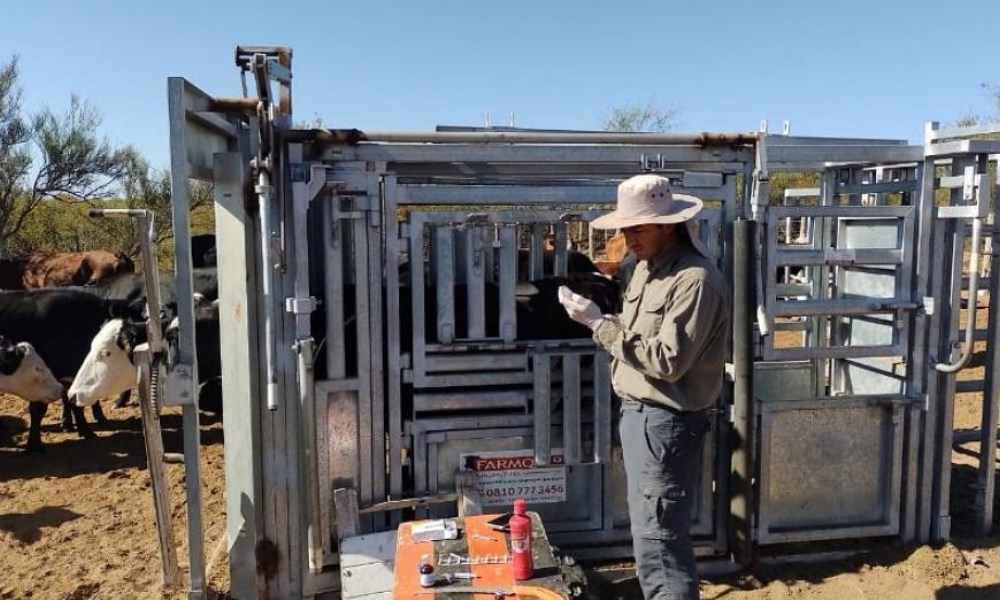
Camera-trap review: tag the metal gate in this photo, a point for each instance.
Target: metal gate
(395, 259)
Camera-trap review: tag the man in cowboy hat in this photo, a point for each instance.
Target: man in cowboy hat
(668, 347)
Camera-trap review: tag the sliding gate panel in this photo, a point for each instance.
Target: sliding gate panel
(830, 469)
(350, 412)
(831, 423)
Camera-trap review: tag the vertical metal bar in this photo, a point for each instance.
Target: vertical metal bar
(180, 209)
(418, 289)
(491, 245)
(376, 375)
(741, 506)
(941, 519)
(235, 232)
(419, 459)
(986, 477)
(561, 258)
(333, 266)
(265, 193)
(821, 275)
(571, 408)
(508, 279)
(905, 280)
(536, 248)
(304, 347)
(939, 344)
(444, 267)
(895, 467)
(289, 506)
(602, 409)
(153, 438)
(769, 293)
(542, 367)
(365, 312)
(473, 263)
(392, 297)
(916, 372)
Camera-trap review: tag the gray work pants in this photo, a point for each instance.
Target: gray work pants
(661, 449)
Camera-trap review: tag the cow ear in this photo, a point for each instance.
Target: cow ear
(125, 309)
(128, 337)
(10, 358)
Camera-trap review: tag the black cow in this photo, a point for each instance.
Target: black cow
(538, 312)
(541, 316)
(131, 287)
(60, 323)
(576, 262)
(203, 250)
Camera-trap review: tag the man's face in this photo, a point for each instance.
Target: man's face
(649, 241)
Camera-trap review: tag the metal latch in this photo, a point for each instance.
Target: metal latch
(300, 306)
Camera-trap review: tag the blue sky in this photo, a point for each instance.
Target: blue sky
(865, 68)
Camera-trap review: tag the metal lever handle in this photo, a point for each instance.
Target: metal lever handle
(970, 317)
(976, 187)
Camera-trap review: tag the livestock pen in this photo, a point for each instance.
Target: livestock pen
(394, 258)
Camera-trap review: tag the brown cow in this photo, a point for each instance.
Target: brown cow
(614, 251)
(56, 269)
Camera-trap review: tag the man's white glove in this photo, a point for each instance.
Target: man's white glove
(580, 309)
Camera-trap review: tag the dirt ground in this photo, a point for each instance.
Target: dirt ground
(77, 520)
(76, 523)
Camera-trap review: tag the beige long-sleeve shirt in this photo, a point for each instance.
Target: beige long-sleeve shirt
(670, 344)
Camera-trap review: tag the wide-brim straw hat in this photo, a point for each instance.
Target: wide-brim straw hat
(649, 199)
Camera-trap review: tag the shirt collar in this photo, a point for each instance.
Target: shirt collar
(669, 259)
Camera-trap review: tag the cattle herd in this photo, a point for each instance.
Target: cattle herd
(69, 324)
(55, 312)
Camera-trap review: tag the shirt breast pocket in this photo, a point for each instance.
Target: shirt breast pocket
(630, 305)
(650, 314)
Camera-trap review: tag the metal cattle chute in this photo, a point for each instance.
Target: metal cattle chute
(370, 338)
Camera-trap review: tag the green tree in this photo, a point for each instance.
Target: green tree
(145, 187)
(970, 119)
(49, 156)
(634, 117)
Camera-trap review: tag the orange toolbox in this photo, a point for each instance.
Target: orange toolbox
(476, 565)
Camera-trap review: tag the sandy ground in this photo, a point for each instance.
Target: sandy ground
(76, 522)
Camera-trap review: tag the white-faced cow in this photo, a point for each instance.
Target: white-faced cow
(60, 324)
(109, 367)
(24, 373)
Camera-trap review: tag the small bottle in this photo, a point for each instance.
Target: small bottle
(520, 541)
(427, 576)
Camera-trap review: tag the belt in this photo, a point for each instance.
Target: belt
(644, 403)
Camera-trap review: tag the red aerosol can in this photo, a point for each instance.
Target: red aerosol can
(520, 541)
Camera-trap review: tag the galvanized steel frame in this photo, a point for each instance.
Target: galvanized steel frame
(365, 182)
